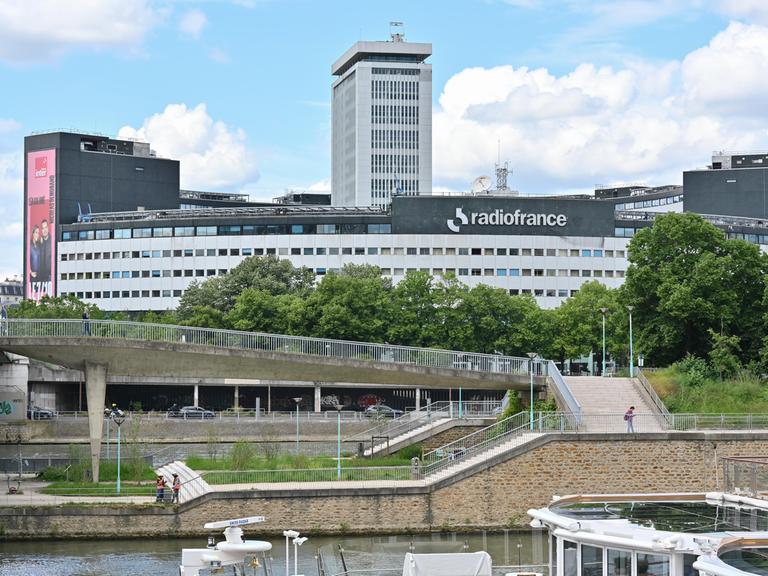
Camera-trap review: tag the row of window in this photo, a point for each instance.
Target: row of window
(396, 71)
(394, 114)
(176, 293)
(753, 238)
(321, 271)
(649, 203)
(624, 232)
(345, 251)
(598, 561)
(230, 230)
(402, 139)
(395, 89)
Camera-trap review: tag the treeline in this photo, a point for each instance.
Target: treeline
(693, 292)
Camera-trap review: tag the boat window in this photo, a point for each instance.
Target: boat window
(652, 565)
(688, 569)
(591, 560)
(619, 563)
(570, 565)
(553, 556)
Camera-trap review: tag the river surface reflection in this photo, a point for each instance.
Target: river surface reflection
(378, 555)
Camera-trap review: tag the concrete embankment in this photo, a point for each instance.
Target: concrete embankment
(493, 495)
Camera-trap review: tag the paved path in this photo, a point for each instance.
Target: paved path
(32, 496)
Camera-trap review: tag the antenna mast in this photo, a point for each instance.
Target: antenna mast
(396, 36)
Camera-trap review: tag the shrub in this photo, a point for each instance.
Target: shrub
(412, 451)
(241, 455)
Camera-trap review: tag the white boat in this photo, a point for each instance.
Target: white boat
(231, 557)
(712, 534)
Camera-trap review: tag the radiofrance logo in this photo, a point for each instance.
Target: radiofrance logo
(41, 167)
(500, 218)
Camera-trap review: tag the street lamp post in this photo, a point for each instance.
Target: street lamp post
(338, 440)
(296, 543)
(531, 355)
(603, 310)
(631, 351)
(288, 534)
(298, 401)
(118, 417)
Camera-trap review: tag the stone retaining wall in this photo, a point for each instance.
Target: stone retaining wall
(496, 495)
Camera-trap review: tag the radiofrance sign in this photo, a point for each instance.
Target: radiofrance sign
(501, 218)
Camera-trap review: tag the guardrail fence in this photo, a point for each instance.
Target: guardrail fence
(746, 475)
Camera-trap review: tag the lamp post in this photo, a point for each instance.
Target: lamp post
(118, 417)
(296, 543)
(338, 440)
(603, 310)
(288, 534)
(298, 401)
(531, 355)
(631, 351)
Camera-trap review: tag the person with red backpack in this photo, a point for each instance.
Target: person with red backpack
(629, 416)
(175, 486)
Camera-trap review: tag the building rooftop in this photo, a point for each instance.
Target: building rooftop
(383, 51)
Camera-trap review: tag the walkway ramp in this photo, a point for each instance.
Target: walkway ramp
(192, 485)
(606, 400)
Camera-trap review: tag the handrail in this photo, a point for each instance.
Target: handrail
(326, 347)
(657, 401)
(563, 392)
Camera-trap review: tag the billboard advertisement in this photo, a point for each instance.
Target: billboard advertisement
(40, 203)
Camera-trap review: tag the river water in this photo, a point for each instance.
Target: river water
(379, 555)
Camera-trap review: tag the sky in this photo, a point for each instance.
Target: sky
(572, 93)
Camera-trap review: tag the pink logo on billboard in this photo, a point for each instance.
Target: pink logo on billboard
(41, 167)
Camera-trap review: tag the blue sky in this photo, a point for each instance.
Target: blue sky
(576, 92)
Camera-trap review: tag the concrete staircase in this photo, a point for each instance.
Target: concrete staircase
(605, 400)
(192, 485)
(426, 430)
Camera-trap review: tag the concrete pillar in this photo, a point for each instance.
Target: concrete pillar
(195, 395)
(418, 399)
(318, 397)
(237, 397)
(95, 392)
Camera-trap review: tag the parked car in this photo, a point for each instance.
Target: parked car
(190, 413)
(383, 411)
(37, 413)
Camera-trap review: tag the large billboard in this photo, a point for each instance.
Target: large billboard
(40, 204)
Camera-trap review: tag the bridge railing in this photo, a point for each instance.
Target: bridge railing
(562, 391)
(234, 339)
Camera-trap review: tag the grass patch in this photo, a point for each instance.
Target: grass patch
(99, 489)
(79, 472)
(288, 462)
(704, 393)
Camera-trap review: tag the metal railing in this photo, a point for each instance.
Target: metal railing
(562, 391)
(663, 413)
(234, 339)
(746, 475)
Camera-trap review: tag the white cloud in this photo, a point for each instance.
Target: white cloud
(640, 121)
(40, 30)
(749, 10)
(212, 155)
(320, 186)
(192, 23)
(219, 55)
(11, 211)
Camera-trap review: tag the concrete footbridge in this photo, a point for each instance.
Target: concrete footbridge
(99, 347)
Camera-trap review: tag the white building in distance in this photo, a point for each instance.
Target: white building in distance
(381, 123)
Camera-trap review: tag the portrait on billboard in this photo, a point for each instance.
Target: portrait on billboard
(40, 201)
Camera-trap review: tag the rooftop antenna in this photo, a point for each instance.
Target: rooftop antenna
(502, 171)
(396, 36)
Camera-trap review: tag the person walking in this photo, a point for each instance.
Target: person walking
(86, 323)
(160, 488)
(629, 416)
(4, 320)
(175, 486)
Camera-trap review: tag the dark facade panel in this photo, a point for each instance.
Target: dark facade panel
(727, 192)
(503, 216)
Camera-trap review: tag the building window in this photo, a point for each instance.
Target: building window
(586, 253)
(514, 271)
(142, 232)
(205, 231)
(295, 251)
(184, 231)
(501, 272)
(162, 232)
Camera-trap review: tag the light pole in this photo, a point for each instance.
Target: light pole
(118, 417)
(603, 310)
(298, 401)
(631, 351)
(288, 534)
(296, 543)
(531, 355)
(338, 440)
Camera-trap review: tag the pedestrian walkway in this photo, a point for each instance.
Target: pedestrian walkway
(32, 495)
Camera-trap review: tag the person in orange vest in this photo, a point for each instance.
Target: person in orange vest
(176, 486)
(160, 488)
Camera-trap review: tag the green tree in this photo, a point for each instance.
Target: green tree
(61, 307)
(267, 274)
(259, 311)
(413, 311)
(579, 322)
(686, 278)
(724, 354)
(353, 304)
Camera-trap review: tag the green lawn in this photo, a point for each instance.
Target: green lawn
(698, 393)
(100, 489)
(287, 462)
